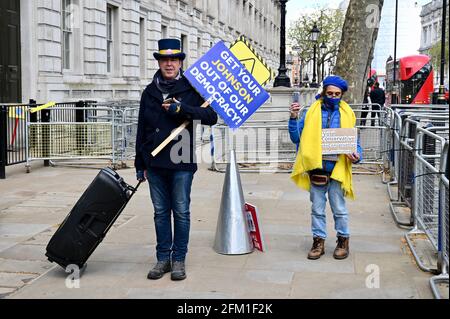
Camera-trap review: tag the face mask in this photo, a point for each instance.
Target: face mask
(331, 102)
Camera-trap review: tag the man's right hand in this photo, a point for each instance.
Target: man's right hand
(294, 109)
(140, 176)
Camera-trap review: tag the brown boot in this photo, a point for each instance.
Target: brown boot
(342, 249)
(317, 249)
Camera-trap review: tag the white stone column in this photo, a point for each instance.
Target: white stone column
(130, 38)
(29, 56)
(154, 35)
(95, 38)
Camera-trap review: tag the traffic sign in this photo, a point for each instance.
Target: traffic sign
(253, 62)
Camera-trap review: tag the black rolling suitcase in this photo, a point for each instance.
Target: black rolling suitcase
(90, 219)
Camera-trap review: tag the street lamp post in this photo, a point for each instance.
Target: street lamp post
(394, 89)
(314, 37)
(323, 49)
(282, 79)
(441, 96)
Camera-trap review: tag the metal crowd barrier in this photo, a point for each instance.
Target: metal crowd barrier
(443, 244)
(253, 144)
(404, 172)
(13, 137)
(396, 118)
(130, 117)
(125, 119)
(72, 133)
(419, 107)
(428, 162)
(52, 137)
(261, 146)
(371, 125)
(397, 113)
(125, 126)
(405, 162)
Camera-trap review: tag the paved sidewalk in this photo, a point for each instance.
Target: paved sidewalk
(32, 205)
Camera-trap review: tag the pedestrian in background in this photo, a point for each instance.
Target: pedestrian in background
(320, 176)
(378, 98)
(366, 102)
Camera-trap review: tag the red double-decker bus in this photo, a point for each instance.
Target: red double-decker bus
(413, 79)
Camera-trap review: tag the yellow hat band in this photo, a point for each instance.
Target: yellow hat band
(169, 51)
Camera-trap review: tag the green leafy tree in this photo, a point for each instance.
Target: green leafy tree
(330, 24)
(435, 52)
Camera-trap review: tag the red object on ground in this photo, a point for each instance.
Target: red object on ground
(254, 227)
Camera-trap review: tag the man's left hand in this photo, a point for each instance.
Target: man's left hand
(354, 157)
(172, 108)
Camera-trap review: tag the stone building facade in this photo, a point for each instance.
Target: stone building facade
(103, 49)
(431, 20)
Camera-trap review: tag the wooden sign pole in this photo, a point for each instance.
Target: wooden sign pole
(174, 134)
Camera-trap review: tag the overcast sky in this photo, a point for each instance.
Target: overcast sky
(295, 7)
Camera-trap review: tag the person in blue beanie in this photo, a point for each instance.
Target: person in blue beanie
(167, 102)
(321, 181)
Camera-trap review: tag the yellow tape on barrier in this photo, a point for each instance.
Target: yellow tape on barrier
(42, 107)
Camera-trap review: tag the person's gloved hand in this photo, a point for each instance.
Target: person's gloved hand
(140, 176)
(174, 108)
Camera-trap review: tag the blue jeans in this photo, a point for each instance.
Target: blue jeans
(170, 191)
(337, 202)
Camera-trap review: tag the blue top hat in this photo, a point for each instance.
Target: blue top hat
(169, 48)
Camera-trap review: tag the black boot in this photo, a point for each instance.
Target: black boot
(178, 270)
(159, 270)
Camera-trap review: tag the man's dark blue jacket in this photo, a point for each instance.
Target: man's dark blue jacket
(155, 124)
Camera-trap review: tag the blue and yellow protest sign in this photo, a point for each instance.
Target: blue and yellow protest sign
(17, 112)
(233, 92)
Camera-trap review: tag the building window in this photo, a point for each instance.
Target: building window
(184, 48)
(66, 32)
(210, 20)
(182, 6)
(424, 39)
(184, 43)
(221, 26)
(198, 14)
(199, 47)
(109, 37)
(436, 33)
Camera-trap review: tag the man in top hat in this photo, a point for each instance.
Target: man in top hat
(166, 103)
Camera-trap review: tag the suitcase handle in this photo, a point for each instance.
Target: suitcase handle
(135, 188)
